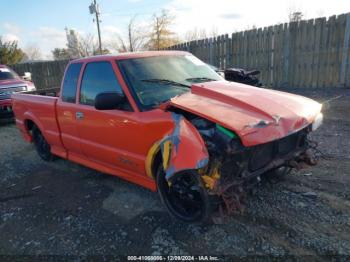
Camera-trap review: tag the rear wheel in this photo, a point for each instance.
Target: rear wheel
(186, 198)
(42, 147)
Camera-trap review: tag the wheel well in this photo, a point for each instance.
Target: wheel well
(156, 162)
(29, 124)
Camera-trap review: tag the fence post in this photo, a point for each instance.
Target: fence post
(345, 54)
(226, 51)
(286, 55)
(316, 51)
(210, 51)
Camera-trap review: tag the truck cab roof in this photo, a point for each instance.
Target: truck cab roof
(130, 55)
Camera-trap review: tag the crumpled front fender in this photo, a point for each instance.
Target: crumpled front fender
(183, 148)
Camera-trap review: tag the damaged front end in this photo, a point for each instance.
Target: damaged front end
(226, 168)
(233, 169)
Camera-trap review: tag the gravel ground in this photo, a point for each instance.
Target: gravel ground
(61, 208)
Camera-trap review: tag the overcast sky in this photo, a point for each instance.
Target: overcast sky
(41, 23)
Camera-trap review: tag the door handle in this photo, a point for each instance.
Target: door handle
(79, 115)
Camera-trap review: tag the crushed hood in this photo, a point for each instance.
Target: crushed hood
(256, 115)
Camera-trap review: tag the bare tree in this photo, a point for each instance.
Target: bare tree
(161, 35)
(87, 45)
(119, 44)
(60, 53)
(32, 53)
(250, 27)
(200, 33)
(135, 39)
(195, 34)
(295, 14)
(295, 17)
(82, 46)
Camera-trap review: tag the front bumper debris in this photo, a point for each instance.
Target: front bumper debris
(233, 175)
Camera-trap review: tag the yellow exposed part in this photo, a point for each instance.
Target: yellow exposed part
(210, 180)
(166, 154)
(150, 158)
(216, 174)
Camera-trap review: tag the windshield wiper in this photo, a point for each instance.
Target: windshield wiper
(198, 79)
(165, 82)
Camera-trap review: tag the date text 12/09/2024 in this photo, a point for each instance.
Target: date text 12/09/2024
(173, 258)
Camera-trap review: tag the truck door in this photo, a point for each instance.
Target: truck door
(66, 108)
(105, 135)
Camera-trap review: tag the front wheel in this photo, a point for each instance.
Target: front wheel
(186, 198)
(42, 147)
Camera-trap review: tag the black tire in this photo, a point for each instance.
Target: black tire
(194, 205)
(278, 174)
(42, 147)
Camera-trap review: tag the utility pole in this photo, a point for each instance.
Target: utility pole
(94, 9)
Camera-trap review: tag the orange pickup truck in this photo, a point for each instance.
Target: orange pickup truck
(168, 122)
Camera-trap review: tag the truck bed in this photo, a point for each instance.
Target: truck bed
(40, 109)
(54, 91)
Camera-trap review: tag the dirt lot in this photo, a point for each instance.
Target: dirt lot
(63, 208)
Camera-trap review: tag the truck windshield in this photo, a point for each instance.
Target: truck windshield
(7, 74)
(154, 80)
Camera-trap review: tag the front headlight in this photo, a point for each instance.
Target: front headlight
(318, 121)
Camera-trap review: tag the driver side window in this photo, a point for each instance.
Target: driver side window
(99, 77)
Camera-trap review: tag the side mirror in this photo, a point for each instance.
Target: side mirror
(27, 76)
(109, 100)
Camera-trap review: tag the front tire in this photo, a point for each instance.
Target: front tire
(279, 173)
(186, 198)
(42, 147)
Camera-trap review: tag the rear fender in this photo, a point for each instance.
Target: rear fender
(24, 128)
(32, 117)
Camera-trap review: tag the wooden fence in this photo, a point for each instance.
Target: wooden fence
(46, 74)
(309, 53)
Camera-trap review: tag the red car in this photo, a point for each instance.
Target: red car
(10, 83)
(168, 122)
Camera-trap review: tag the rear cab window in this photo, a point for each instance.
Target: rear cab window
(99, 77)
(70, 83)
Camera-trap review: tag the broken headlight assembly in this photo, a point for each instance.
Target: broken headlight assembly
(318, 121)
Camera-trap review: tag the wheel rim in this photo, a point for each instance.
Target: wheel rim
(185, 197)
